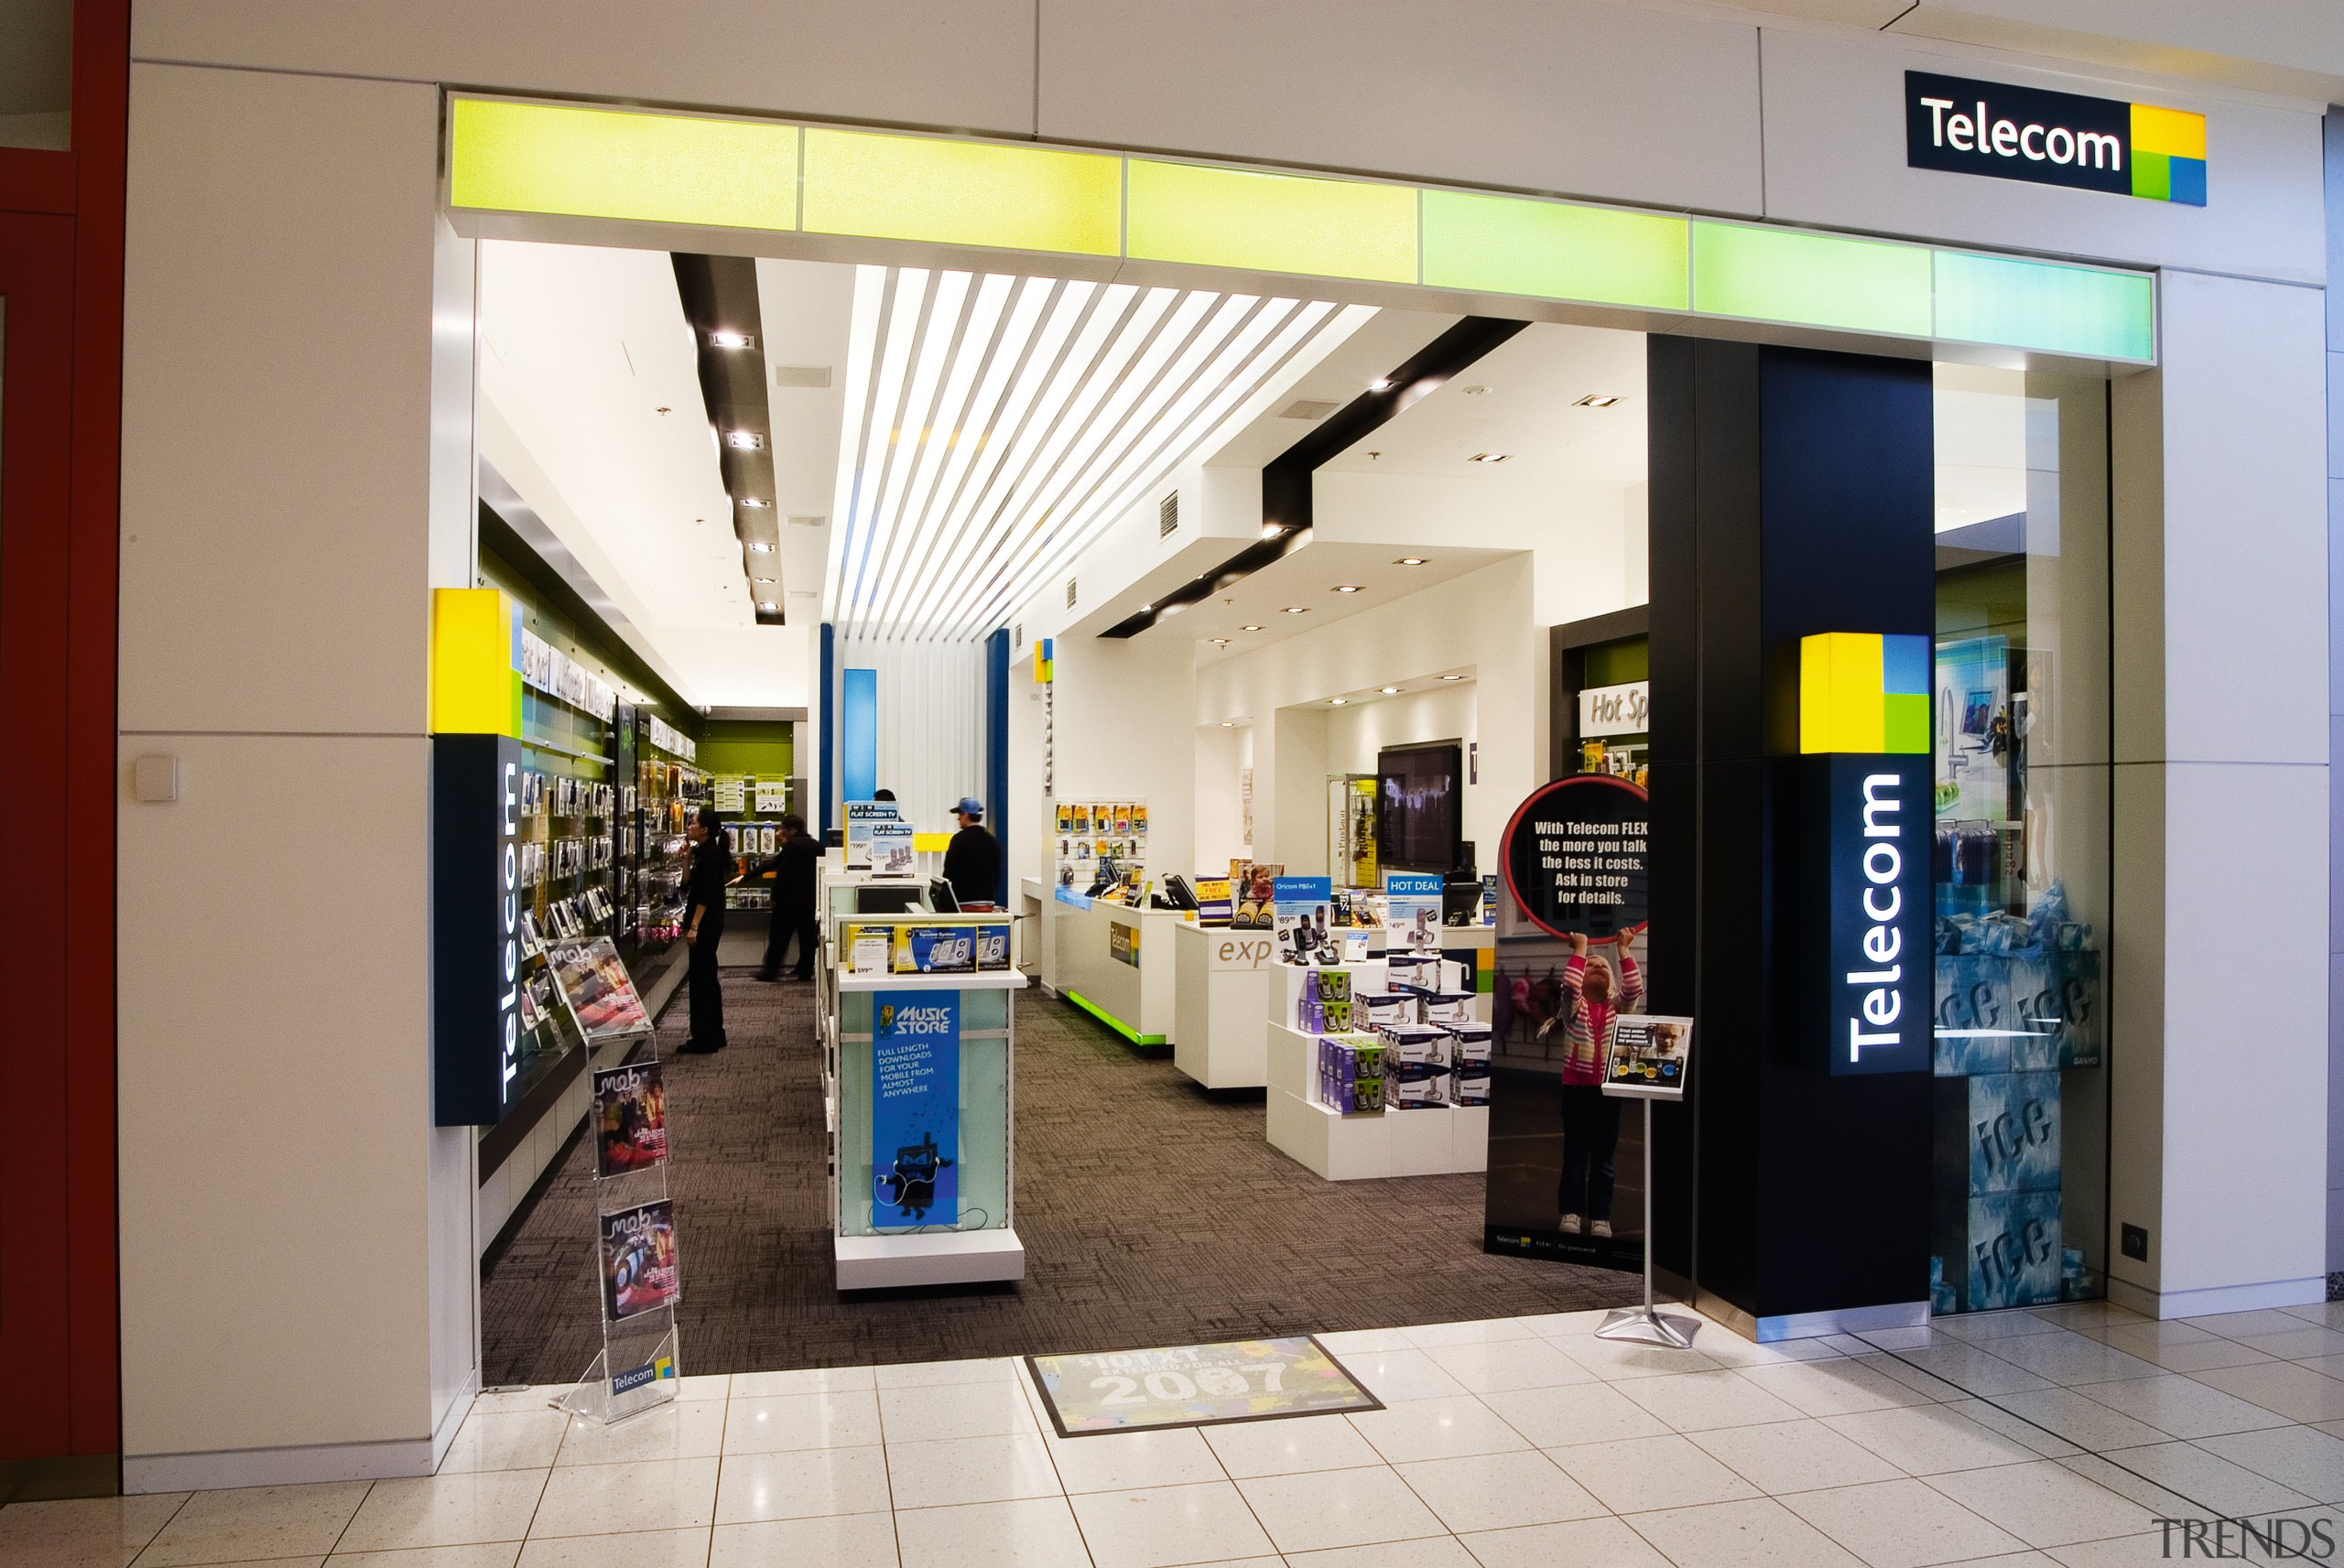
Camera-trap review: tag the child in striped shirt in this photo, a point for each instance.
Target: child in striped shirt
(1590, 1118)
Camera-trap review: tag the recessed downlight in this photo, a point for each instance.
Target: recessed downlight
(1298, 609)
(1347, 587)
(1340, 701)
(1489, 457)
(757, 500)
(743, 440)
(1389, 690)
(1411, 560)
(1595, 400)
(1452, 677)
(1474, 390)
(767, 605)
(726, 338)
(1217, 641)
(760, 547)
(1229, 724)
(1249, 628)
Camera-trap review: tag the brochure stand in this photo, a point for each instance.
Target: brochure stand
(635, 1229)
(1647, 1062)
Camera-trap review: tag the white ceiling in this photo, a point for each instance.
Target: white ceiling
(591, 407)
(1306, 579)
(1517, 400)
(999, 424)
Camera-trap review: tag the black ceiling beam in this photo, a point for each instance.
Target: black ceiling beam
(1285, 479)
(720, 295)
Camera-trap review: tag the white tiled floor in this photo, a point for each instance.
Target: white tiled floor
(2046, 1438)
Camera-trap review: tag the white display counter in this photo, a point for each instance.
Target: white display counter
(1220, 1005)
(1114, 962)
(1430, 1141)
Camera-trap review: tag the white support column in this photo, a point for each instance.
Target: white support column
(298, 1301)
(2219, 972)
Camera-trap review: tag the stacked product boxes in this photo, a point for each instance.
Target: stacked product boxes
(1414, 1046)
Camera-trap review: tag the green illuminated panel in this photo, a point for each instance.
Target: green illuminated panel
(964, 193)
(607, 163)
(1811, 280)
(1270, 222)
(2037, 304)
(1505, 245)
(1111, 1020)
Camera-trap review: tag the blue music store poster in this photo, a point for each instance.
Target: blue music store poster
(914, 1109)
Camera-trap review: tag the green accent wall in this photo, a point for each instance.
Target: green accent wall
(760, 748)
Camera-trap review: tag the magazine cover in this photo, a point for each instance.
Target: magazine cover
(630, 1119)
(639, 1261)
(593, 980)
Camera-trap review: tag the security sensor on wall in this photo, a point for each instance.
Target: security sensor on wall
(155, 781)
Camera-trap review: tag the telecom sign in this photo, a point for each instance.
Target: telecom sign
(1868, 820)
(475, 917)
(2054, 139)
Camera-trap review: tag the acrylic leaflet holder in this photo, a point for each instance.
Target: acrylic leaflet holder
(639, 1279)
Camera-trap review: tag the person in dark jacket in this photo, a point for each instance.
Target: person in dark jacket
(712, 872)
(793, 902)
(972, 861)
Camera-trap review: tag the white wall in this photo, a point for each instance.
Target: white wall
(295, 1283)
(1482, 622)
(1124, 733)
(2221, 789)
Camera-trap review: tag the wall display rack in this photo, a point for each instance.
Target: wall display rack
(1091, 839)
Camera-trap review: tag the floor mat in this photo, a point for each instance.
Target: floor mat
(1152, 1214)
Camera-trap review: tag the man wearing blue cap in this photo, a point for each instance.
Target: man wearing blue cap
(972, 861)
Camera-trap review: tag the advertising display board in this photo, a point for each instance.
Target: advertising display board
(1576, 857)
(1412, 910)
(916, 1109)
(862, 816)
(1303, 911)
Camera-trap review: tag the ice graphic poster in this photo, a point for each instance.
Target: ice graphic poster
(914, 1110)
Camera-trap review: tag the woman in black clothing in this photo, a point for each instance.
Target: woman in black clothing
(704, 927)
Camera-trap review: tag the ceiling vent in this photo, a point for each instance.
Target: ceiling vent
(1070, 593)
(1168, 514)
(811, 376)
(1017, 633)
(1307, 408)
(807, 522)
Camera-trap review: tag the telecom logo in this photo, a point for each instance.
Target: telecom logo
(1992, 128)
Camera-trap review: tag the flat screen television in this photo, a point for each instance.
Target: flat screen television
(1418, 806)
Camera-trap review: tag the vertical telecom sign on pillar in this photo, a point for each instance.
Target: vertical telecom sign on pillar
(1863, 739)
(475, 855)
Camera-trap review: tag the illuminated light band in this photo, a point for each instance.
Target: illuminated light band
(1860, 692)
(701, 171)
(475, 662)
(2168, 154)
(1111, 1020)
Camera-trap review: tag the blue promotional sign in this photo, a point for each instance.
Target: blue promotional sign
(914, 1110)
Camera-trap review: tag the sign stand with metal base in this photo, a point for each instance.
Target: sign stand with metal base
(1646, 1325)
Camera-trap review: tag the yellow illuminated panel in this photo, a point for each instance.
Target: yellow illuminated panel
(475, 662)
(1270, 222)
(2175, 133)
(613, 163)
(964, 193)
(1865, 693)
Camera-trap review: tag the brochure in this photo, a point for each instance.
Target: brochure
(1212, 901)
(593, 980)
(891, 852)
(630, 1119)
(639, 1261)
(936, 949)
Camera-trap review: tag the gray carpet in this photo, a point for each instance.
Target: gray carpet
(1152, 1213)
